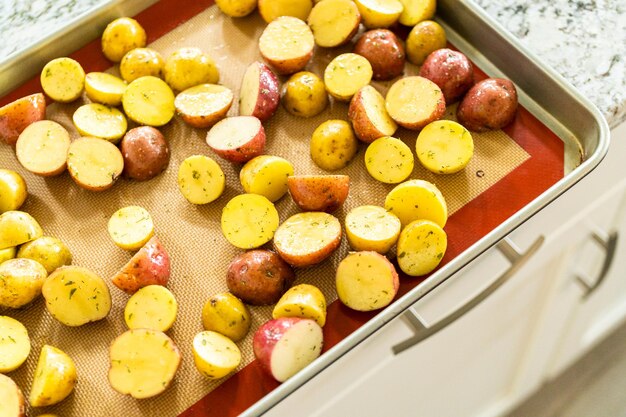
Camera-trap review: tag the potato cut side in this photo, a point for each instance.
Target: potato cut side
(347, 74)
(287, 44)
(13, 190)
(372, 228)
(49, 251)
(152, 307)
(42, 148)
(76, 296)
(94, 164)
(416, 11)
(421, 246)
(226, 314)
(149, 101)
(444, 147)
(17, 227)
(249, 221)
(304, 301)
(266, 175)
(100, 121)
(413, 102)
(143, 363)
(12, 402)
(131, 227)
(204, 105)
(20, 282)
(389, 160)
(366, 281)
(55, 377)
(215, 355)
(237, 139)
(272, 9)
(334, 22)
(417, 199)
(200, 179)
(63, 79)
(369, 116)
(379, 13)
(14, 344)
(104, 88)
(306, 239)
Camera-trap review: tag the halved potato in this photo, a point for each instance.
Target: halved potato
(379, 13)
(272, 9)
(215, 355)
(188, 67)
(55, 377)
(49, 251)
(152, 307)
(131, 227)
(100, 121)
(266, 175)
(287, 44)
(104, 88)
(12, 403)
(13, 190)
(249, 221)
(94, 164)
(305, 301)
(149, 266)
(413, 102)
(140, 62)
(444, 147)
(121, 36)
(333, 145)
(226, 314)
(319, 192)
(237, 139)
(372, 228)
(17, 115)
(42, 148)
(389, 160)
(369, 116)
(63, 79)
(415, 11)
(203, 105)
(149, 101)
(346, 74)
(17, 227)
(200, 179)
(334, 22)
(259, 94)
(14, 344)
(421, 247)
(417, 199)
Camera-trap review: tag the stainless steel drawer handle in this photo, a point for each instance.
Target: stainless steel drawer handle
(422, 332)
(609, 244)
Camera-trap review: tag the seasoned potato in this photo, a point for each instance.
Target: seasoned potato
(143, 363)
(417, 199)
(152, 307)
(304, 94)
(20, 282)
(12, 403)
(76, 296)
(14, 344)
(372, 228)
(226, 314)
(421, 247)
(149, 101)
(63, 79)
(413, 102)
(415, 11)
(54, 379)
(451, 71)
(100, 121)
(146, 153)
(200, 179)
(272, 9)
(306, 239)
(379, 13)
(94, 164)
(384, 51)
(215, 355)
(7, 253)
(13, 190)
(131, 227)
(424, 38)
(347, 74)
(49, 251)
(121, 36)
(444, 147)
(188, 67)
(19, 114)
(140, 62)
(389, 160)
(17, 227)
(333, 145)
(259, 94)
(305, 301)
(369, 116)
(266, 175)
(42, 148)
(334, 22)
(287, 44)
(249, 221)
(236, 8)
(490, 104)
(203, 105)
(319, 192)
(149, 266)
(237, 139)
(104, 88)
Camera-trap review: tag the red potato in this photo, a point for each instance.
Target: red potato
(203, 105)
(12, 402)
(18, 115)
(490, 104)
(260, 92)
(451, 71)
(383, 49)
(369, 116)
(286, 345)
(237, 139)
(146, 153)
(149, 266)
(319, 192)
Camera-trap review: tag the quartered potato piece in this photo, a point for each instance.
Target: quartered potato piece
(104, 88)
(334, 22)
(100, 121)
(421, 247)
(389, 160)
(372, 228)
(369, 116)
(17, 227)
(200, 179)
(63, 79)
(94, 164)
(215, 355)
(259, 94)
(249, 221)
(13, 190)
(347, 74)
(14, 344)
(417, 199)
(131, 227)
(149, 101)
(17, 115)
(55, 377)
(152, 307)
(444, 147)
(42, 148)
(149, 266)
(49, 251)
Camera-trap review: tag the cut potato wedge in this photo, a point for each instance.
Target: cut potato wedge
(259, 94)
(17, 227)
(369, 116)
(100, 121)
(13, 190)
(140, 62)
(55, 377)
(42, 148)
(249, 221)
(131, 227)
(49, 251)
(266, 175)
(333, 145)
(63, 79)
(319, 192)
(272, 9)
(200, 179)
(415, 11)
(143, 363)
(20, 282)
(149, 266)
(12, 403)
(417, 199)
(94, 164)
(334, 22)
(14, 344)
(389, 160)
(226, 314)
(304, 301)
(19, 114)
(149, 101)
(237, 139)
(379, 13)
(444, 147)
(347, 74)
(421, 247)
(413, 102)
(306, 239)
(366, 281)
(104, 88)
(215, 355)
(287, 44)
(372, 228)
(203, 105)
(76, 296)
(152, 307)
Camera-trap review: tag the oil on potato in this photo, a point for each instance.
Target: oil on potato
(226, 314)
(121, 36)
(333, 145)
(49, 251)
(149, 266)
(54, 379)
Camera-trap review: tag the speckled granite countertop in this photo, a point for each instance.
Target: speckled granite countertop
(584, 40)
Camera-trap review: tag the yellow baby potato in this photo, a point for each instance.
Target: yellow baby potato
(17, 227)
(131, 227)
(49, 251)
(346, 74)
(372, 228)
(226, 314)
(424, 38)
(188, 67)
(21, 281)
(200, 179)
(389, 160)
(304, 94)
(140, 62)
(104, 88)
(149, 101)
(152, 307)
(215, 355)
(414, 11)
(13, 190)
(444, 147)
(236, 8)
(379, 13)
(63, 79)
(333, 145)
(417, 199)
(421, 247)
(55, 377)
(14, 344)
(7, 253)
(100, 121)
(303, 300)
(120, 36)
(249, 221)
(266, 175)
(334, 22)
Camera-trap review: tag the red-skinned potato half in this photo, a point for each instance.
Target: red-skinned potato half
(490, 104)
(319, 192)
(260, 92)
(237, 139)
(146, 153)
(149, 266)
(18, 115)
(384, 51)
(451, 71)
(286, 345)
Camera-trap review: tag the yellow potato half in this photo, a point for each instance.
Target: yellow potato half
(131, 227)
(17, 227)
(149, 101)
(444, 147)
(55, 377)
(104, 88)
(13, 190)
(152, 307)
(200, 179)
(421, 247)
(249, 221)
(266, 175)
(379, 13)
(417, 199)
(389, 160)
(215, 355)
(14, 344)
(226, 314)
(305, 301)
(63, 79)
(49, 251)
(372, 228)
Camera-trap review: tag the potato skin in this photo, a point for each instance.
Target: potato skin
(304, 95)
(319, 193)
(16, 116)
(21, 280)
(384, 51)
(146, 153)
(451, 71)
(121, 36)
(424, 38)
(333, 145)
(151, 265)
(259, 277)
(489, 104)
